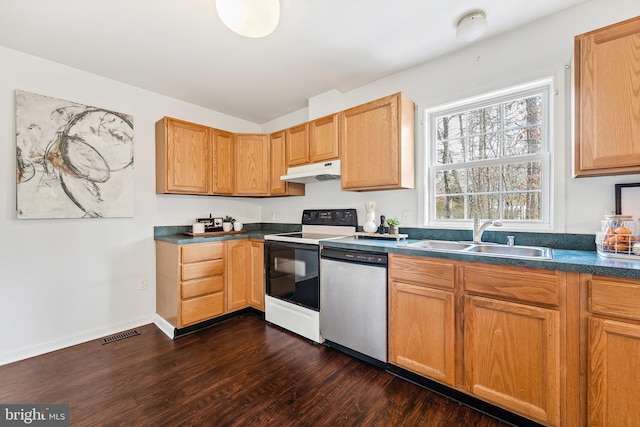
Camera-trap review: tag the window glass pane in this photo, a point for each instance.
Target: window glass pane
(450, 127)
(486, 205)
(522, 206)
(450, 207)
(484, 120)
(450, 151)
(483, 180)
(522, 176)
(450, 182)
(518, 142)
(523, 112)
(484, 147)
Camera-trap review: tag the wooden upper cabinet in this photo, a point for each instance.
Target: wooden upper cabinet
(223, 162)
(251, 165)
(278, 167)
(323, 139)
(377, 145)
(183, 157)
(297, 139)
(607, 105)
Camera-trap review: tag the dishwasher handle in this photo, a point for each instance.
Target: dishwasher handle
(354, 256)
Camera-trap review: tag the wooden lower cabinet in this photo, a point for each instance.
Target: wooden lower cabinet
(238, 273)
(256, 288)
(200, 281)
(502, 334)
(422, 317)
(613, 334)
(614, 377)
(511, 356)
(421, 330)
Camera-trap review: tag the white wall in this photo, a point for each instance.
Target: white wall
(537, 50)
(68, 281)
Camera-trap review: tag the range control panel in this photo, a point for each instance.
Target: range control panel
(341, 217)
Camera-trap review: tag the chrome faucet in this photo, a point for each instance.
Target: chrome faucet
(478, 228)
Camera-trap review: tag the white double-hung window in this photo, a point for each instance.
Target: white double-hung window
(491, 155)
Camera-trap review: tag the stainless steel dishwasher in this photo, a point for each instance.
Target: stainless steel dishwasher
(353, 301)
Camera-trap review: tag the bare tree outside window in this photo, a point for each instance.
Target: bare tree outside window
(490, 158)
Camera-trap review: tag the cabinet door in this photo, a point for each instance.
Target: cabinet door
(614, 377)
(377, 145)
(422, 330)
(277, 163)
(182, 157)
(256, 297)
(297, 145)
(511, 356)
(238, 273)
(252, 163)
(606, 100)
(224, 162)
(323, 139)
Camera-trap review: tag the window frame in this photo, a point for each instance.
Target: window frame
(544, 87)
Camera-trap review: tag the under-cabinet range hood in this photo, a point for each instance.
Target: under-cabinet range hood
(315, 172)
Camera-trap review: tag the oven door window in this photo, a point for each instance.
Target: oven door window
(293, 273)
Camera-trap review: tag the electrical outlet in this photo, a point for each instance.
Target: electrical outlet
(143, 284)
(406, 217)
(273, 216)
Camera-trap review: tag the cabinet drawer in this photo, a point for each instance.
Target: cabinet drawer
(193, 288)
(523, 284)
(198, 309)
(615, 297)
(201, 252)
(202, 269)
(422, 271)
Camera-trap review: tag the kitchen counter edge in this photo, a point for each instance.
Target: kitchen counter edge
(563, 259)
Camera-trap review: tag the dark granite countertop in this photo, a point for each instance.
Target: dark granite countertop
(563, 259)
(582, 259)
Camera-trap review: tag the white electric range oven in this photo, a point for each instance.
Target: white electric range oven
(292, 266)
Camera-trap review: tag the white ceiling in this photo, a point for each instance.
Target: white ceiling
(181, 48)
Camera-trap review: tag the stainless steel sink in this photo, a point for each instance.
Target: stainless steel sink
(512, 251)
(439, 245)
(488, 249)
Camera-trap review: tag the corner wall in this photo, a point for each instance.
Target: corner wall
(66, 281)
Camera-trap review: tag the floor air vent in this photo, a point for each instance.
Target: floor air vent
(120, 336)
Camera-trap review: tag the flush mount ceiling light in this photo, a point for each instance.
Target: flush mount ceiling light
(250, 18)
(471, 26)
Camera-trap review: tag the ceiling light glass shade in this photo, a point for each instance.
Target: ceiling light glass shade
(250, 18)
(472, 26)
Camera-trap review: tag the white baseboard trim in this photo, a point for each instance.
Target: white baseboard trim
(166, 327)
(37, 350)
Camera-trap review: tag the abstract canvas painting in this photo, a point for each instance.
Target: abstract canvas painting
(73, 160)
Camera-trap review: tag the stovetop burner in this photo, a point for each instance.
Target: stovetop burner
(321, 225)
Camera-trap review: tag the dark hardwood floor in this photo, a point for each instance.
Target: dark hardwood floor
(243, 372)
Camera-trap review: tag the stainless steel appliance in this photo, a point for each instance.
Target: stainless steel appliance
(353, 291)
(292, 266)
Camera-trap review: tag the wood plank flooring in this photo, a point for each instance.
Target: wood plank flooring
(243, 372)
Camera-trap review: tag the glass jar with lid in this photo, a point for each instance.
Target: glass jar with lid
(618, 234)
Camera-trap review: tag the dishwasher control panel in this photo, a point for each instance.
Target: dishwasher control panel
(354, 256)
